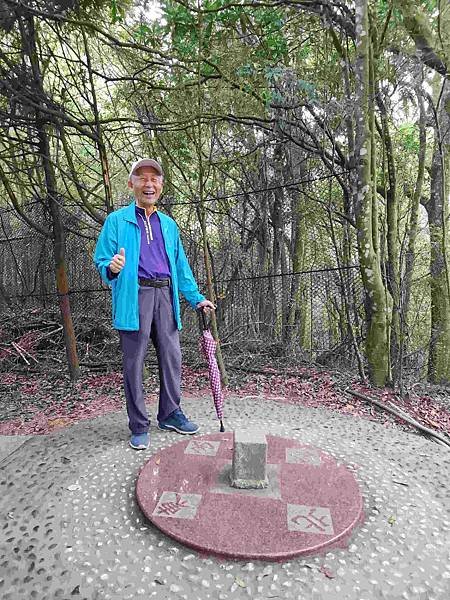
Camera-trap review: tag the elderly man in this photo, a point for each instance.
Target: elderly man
(140, 255)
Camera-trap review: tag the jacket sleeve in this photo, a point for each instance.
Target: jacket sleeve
(105, 248)
(186, 282)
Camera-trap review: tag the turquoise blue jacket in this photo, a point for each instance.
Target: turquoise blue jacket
(121, 230)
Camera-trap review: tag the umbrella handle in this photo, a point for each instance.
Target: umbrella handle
(205, 325)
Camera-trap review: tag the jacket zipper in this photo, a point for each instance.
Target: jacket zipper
(148, 228)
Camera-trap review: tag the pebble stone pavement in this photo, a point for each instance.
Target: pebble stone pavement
(71, 528)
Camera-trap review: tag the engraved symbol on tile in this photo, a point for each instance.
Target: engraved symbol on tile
(179, 506)
(309, 519)
(202, 447)
(309, 456)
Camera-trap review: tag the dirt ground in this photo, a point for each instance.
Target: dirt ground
(37, 400)
(37, 395)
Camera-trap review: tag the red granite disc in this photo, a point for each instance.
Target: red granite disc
(311, 504)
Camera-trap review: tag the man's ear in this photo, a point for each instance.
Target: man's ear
(130, 185)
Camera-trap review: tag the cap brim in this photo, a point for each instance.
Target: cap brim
(146, 162)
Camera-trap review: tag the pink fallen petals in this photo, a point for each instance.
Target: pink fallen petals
(423, 409)
(99, 394)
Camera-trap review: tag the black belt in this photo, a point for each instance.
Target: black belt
(158, 283)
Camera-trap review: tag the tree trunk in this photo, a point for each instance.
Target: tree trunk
(413, 227)
(298, 258)
(438, 218)
(296, 169)
(276, 214)
(266, 300)
(393, 245)
(377, 311)
(30, 45)
(4, 298)
(419, 28)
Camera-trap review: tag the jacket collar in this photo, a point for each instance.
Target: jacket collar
(130, 212)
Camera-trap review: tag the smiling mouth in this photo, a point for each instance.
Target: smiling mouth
(149, 194)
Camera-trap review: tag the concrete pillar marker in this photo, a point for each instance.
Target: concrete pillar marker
(249, 459)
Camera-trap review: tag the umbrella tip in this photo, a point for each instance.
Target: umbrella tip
(222, 428)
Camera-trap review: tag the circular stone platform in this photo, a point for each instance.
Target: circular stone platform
(312, 502)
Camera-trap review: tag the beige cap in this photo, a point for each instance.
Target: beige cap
(145, 162)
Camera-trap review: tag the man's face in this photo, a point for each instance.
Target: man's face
(147, 185)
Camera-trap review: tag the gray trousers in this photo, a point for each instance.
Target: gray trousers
(156, 322)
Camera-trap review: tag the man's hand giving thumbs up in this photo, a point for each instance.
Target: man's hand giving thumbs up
(118, 261)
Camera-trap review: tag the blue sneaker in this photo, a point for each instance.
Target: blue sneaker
(178, 422)
(139, 441)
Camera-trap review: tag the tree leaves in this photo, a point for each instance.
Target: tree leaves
(117, 11)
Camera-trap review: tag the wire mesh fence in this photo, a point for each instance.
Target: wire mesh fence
(310, 316)
(303, 311)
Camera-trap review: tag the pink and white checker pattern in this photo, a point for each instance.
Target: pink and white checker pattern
(208, 348)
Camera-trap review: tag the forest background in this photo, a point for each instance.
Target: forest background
(306, 150)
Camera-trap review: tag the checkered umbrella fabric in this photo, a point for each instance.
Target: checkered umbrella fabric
(208, 348)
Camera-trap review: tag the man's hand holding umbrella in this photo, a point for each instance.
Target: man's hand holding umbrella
(206, 305)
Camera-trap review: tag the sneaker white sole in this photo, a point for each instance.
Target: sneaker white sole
(173, 428)
(140, 447)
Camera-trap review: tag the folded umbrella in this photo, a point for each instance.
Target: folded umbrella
(208, 347)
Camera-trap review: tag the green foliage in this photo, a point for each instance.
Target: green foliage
(308, 88)
(228, 16)
(304, 52)
(272, 74)
(430, 5)
(181, 23)
(142, 33)
(117, 12)
(408, 137)
(246, 70)
(271, 23)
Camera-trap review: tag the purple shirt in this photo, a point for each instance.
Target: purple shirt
(153, 261)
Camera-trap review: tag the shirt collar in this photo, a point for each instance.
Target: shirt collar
(141, 211)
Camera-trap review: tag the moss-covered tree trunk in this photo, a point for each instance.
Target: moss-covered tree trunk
(434, 51)
(438, 218)
(413, 228)
(392, 236)
(376, 296)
